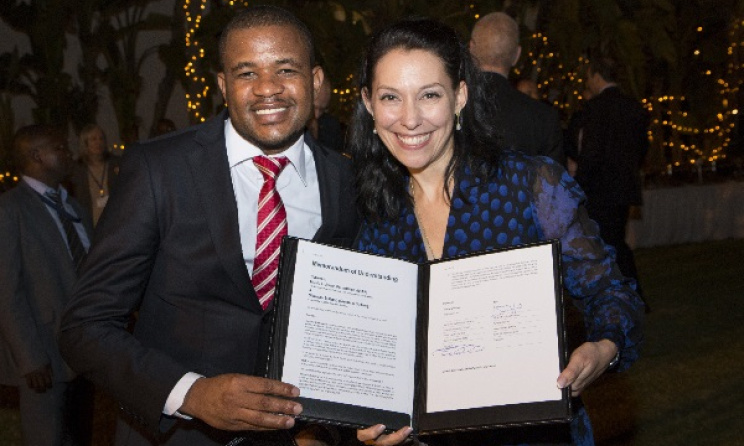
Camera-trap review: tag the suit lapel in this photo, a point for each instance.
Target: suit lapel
(48, 232)
(84, 216)
(210, 172)
(329, 183)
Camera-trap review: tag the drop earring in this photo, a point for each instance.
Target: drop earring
(458, 122)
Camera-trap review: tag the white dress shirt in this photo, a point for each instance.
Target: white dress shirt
(298, 187)
(297, 184)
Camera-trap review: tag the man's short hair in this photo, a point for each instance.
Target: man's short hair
(266, 15)
(23, 142)
(605, 67)
(496, 37)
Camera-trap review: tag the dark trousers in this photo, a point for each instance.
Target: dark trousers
(79, 411)
(62, 415)
(613, 221)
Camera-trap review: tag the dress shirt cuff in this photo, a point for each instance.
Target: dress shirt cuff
(178, 394)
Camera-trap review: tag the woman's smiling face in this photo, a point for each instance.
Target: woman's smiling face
(414, 104)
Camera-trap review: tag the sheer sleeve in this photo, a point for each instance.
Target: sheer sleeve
(611, 308)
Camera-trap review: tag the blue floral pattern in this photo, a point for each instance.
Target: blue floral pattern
(531, 199)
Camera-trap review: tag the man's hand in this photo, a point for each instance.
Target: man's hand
(240, 402)
(40, 379)
(374, 436)
(587, 363)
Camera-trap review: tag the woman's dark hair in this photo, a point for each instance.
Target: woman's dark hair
(381, 180)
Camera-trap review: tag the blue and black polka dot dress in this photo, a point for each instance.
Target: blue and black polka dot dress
(530, 199)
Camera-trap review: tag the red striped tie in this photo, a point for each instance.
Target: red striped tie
(272, 226)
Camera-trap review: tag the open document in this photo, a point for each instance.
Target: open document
(464, 343)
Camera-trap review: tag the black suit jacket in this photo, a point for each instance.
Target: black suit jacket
(614, 144)
(168, 246)
(37, 275)
(529, 126)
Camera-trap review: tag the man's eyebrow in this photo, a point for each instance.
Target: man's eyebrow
(286, 61)
(289, 61)
(423, 87)
(242, 65)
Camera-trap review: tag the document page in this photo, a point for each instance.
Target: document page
(351, 334)
(493, 333)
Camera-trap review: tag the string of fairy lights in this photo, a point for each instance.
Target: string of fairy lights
(678, 136)
(695, 144)
(679, 140)
(672, 130)
(199, 89)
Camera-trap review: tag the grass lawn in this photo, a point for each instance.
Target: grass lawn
(10, 434)
(687, 388)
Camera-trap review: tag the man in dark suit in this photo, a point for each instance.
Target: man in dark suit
(614, 144)
(528, 125)
(177, 244)
(37, 273)
(326, 128)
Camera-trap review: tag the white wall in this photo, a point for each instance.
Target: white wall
(152, 72)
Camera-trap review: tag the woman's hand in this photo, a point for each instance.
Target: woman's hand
(375, 436)
(587, 363)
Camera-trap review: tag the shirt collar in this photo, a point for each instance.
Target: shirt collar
(609, 85)
(42, 188)
(239, 150)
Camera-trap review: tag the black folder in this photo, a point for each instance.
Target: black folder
(330, 411)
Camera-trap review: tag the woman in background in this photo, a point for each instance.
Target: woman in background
(96, 171)
(434, 183)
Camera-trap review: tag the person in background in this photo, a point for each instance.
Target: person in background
(129, 135)
(44, 235)
(574, 134)
(190, 241)
(326, 128)
(527, 124)
(614, 143)
(433, 183)
(528, 87)
(95, 174)
(163, 126)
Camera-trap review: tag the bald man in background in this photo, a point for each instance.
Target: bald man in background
(529, 126)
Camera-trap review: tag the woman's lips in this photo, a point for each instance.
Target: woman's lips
(414, 140)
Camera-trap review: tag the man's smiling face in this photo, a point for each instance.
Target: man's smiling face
(268, 83)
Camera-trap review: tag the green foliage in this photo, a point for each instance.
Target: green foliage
(44, 22)
(654, 40)
(7, 122)
(119, 33)
(107, 29)
(11, 71)
(174, 56)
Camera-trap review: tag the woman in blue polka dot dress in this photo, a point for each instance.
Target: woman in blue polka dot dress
(434, 183)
